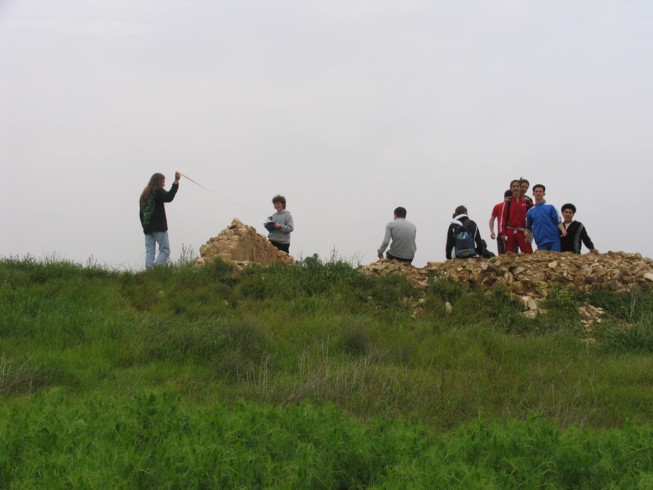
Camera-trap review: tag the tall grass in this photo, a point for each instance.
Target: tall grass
(320, 332)
(153, 441)
(313, 376)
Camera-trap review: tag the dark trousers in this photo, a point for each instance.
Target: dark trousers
(501, 246)
(392, 257)
(284, 247)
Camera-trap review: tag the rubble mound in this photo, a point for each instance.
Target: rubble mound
(242, 244)
(530, 278)
(419, 278)
(533, 274)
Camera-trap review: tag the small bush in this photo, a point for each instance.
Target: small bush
(627, 337)
(563, 301)
(244, 348)
(631, 307)
(446, 290)
(357, 339)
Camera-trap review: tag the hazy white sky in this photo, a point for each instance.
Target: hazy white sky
(348, 108)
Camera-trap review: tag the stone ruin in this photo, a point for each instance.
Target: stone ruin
(533, 274)
(242, 244)
(530, 278)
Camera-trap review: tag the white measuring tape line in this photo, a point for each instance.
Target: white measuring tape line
(212, 191)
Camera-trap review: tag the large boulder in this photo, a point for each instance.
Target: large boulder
(242, 244)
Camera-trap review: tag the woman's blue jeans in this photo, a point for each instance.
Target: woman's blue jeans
(151, 241)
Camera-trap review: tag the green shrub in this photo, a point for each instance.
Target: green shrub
(633, 307)
(622, 337)
(245, 349)
(358, 338)
(446, 290)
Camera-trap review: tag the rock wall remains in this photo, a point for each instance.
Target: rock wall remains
(533, 274)
(529, 278)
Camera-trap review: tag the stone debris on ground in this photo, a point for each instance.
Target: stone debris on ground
(241, 245)
(537, 273)
(590, 317)
(530, 278)
(533, 275)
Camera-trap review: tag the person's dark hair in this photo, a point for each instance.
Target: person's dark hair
(508, 193)
(513, 181)
(279, 198)
(460, 210)
(541, 186)
(522, 180)
(568, 206)
(400, 212)
(156, 181)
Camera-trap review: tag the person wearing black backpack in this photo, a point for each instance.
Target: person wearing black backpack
(463, 236)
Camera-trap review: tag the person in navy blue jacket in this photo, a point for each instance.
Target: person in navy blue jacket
(576, 232)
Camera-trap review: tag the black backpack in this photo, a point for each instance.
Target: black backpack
(464, 241)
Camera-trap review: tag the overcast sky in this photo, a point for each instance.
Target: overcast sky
(348, 108)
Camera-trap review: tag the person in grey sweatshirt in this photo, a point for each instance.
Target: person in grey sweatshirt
(282, 225)
(402, 234)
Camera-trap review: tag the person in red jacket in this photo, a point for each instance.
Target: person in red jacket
(497, 215)
(513, 223)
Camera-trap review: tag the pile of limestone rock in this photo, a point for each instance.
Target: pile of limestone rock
(530, 278)
(241, 244)
(534, 274)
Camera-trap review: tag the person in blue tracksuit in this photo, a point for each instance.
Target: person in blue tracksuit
(543, 222)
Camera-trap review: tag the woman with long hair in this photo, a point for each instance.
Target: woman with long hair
(153, 218)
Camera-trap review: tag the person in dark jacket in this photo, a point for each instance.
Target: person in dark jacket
(472, 246)
(486, 254)
(576, 232)
(153, 218)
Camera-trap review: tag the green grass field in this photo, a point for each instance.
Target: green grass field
(314, 376)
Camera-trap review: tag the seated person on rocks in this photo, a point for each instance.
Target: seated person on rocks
(463, 236)
(401, 233)
(543, 222)
(576, 232)
(487, 254)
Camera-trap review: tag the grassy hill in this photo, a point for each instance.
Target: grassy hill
(314, 376)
